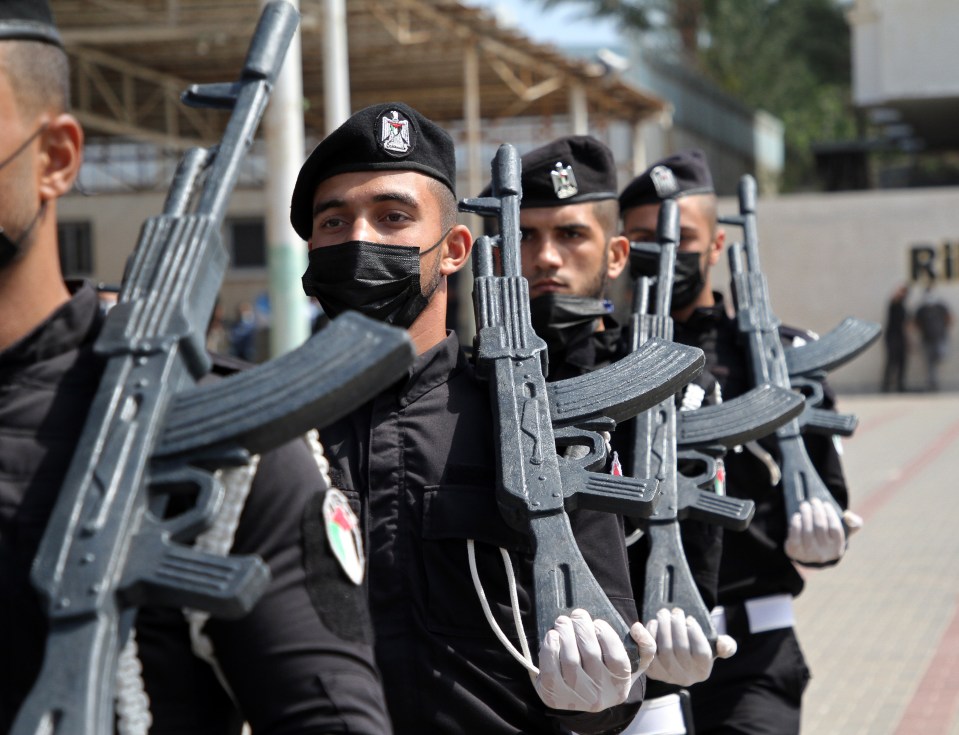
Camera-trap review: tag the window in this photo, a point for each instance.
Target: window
(246, 241)
(76, 248)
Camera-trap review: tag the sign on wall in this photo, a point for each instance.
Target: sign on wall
(928, 262)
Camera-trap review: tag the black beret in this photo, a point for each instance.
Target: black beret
(385, 137)
(679, 175)
(28, 20)
(570, 170)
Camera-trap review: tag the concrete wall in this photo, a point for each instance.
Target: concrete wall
(116, 220)
(903, 49)
(828, 257)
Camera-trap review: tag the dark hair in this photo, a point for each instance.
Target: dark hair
(710, 208)
(447, 202)
(607, 215)
(39, 74)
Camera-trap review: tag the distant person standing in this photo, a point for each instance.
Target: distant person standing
(893, 377)
(933, 319)
(243, 332)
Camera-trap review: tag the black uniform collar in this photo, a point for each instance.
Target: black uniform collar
(705, 317)
(71, 325)
(596, 350)
(431, 369)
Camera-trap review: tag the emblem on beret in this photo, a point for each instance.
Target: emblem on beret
(395, 133)
(564, 181)
(664, 180)
(343, 534)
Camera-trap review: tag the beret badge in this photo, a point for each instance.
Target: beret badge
(395, 134)
(664, 180)
(564, 181)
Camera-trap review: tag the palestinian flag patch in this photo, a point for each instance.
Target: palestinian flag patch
(343, 534)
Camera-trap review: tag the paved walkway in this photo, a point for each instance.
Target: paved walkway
(881, 630)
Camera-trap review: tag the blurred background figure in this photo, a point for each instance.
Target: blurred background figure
(243, 332)
(217, 336)
(933, 320)
(897, 348)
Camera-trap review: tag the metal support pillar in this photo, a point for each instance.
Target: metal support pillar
(466, 323)
(283, 124)
(336, 65)
(578, 109)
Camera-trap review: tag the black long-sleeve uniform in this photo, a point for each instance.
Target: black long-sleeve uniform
(702, 542)
(300, 662)
(419, 462)
(759, 689)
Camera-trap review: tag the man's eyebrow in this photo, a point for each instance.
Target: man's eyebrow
(389, 196)
(572, 226)
(323, 205)
(398, 196)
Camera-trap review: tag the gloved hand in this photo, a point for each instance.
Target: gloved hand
(583, 664)
(578, 451)
(683, 654)
(816, 534)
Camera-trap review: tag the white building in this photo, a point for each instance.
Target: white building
(904, 67)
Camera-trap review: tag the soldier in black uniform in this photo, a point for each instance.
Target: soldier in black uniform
(301, 661)
(759, 690)
(572, 249)
(376, 202)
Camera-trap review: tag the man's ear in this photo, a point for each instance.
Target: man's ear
(456, 250)
(716, 246)
(61, 156)
(618, 256)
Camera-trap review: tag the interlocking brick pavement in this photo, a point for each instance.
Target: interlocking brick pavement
(881, 630)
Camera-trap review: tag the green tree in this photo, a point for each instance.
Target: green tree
(789, 57)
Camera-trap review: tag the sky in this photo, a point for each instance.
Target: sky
(561, 26)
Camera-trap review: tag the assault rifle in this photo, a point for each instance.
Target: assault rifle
(536, 486)
(152, 433)
(663, 436)
(789, 367)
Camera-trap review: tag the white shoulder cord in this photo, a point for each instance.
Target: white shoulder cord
(692, 397)
(634, 537)
(218, 539)
(133, 704)
(322, 463)
(525, 658)
(775, 475)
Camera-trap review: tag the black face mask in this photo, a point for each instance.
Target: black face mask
(379, 281)
(10, 249)
(561, 319)
(688, 280)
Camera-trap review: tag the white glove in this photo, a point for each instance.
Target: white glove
(683, 654)
(583, 664)
(816, 534)
(578, 451)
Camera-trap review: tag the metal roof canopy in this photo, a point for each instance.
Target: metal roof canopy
(131, 60)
